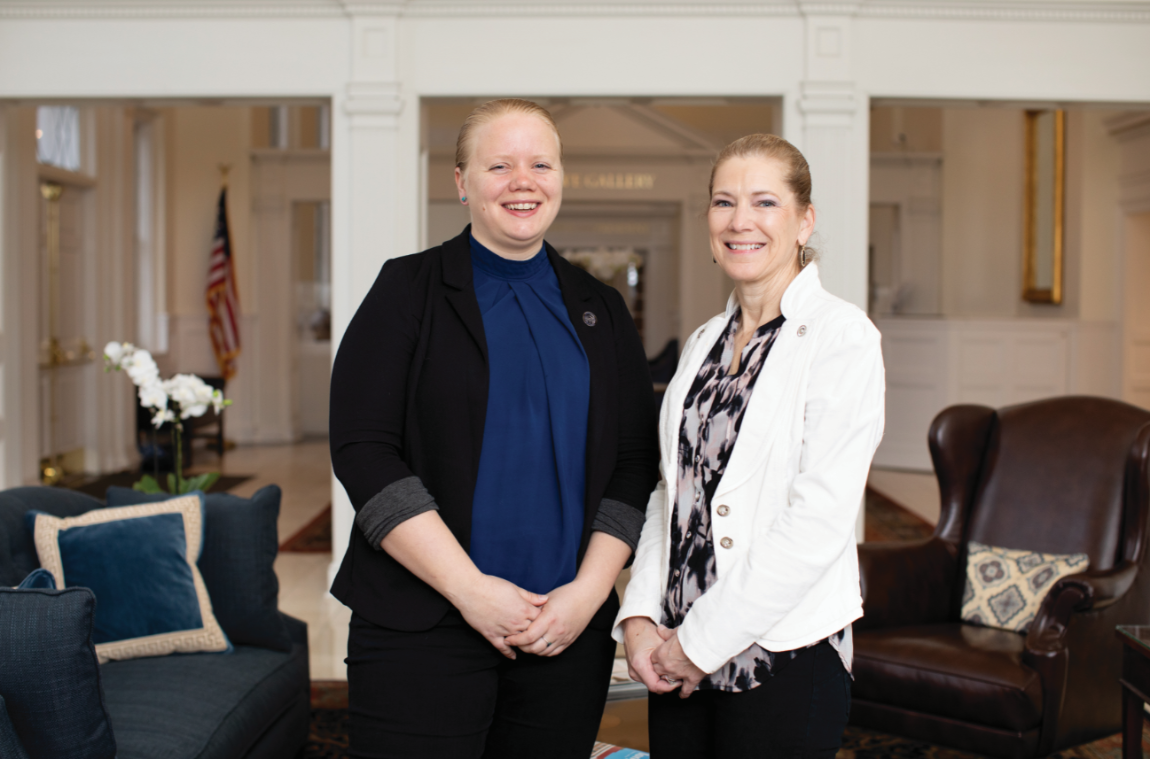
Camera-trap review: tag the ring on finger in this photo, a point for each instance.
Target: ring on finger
(671, 680)
(549, 643)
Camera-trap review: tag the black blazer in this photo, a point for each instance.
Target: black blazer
(409, 396)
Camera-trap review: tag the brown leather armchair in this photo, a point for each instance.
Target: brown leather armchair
(1063, 475)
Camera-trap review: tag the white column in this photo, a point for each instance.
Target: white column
(109, 400)
(828, 119)
(365, 217)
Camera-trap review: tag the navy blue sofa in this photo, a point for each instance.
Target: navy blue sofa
(253, 702)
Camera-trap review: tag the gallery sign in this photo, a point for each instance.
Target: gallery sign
(608, 181)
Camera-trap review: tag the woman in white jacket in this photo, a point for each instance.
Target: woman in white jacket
(745, 580)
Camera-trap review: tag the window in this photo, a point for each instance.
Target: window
(58, 136)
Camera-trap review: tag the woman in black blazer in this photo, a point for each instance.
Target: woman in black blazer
(493, 423)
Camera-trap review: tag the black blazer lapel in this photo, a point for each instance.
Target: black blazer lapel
(457, 276)
(592, 324)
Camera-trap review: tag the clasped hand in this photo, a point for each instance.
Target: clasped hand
(561, 620)
(510, 617)
(656, 658)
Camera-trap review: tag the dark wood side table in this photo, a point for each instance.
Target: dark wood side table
(1135, 685)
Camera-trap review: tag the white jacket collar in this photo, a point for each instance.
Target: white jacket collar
(796, 296)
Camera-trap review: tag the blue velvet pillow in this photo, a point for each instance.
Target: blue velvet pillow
(49, 678)
(240, 546)
(10, 745)
(37, 579)
(140, 561)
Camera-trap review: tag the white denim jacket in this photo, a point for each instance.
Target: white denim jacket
(785, 545)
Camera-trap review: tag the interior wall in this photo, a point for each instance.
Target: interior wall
(990, 346)
(18, 268)
(983, 174)
(95, 409)
(1097, 172)
(982, 212)
(905, 129)
(200, 139)
(1136, 374)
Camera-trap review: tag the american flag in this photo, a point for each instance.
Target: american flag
(223, 303)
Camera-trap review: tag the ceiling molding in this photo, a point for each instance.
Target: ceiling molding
(1019, 10)
(148, 9)
(457, 8)
(1104, 11)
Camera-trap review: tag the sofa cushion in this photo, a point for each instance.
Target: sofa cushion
(199, 705)
(17, 551)
(140, 561)
(10, 745)
(49, 678)
(963, 672)
(240, 546)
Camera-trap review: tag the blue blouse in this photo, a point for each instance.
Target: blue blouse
(527, 514)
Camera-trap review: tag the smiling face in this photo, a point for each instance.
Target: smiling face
(513, 182)
(757, 223)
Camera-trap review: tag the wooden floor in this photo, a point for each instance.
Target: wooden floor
(625, 724)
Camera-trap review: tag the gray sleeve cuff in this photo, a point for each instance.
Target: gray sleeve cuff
(619, 520)
(398, 502)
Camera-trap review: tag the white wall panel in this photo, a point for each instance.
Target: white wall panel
(1086, 56)
(171, 57)
(932, 364)
(645, 54)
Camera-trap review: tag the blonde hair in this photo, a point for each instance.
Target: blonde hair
(798, 176)
(491, 110)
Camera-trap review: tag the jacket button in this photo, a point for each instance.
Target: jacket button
(726, 542)
(802, 330)
(723, 510)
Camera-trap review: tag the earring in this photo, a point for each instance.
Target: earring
(803, 260)
(463, 199)
(713, 259)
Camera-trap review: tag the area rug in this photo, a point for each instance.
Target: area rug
(98, 486)
(887, 520)
(869, 744)
(327, 739)
(313, 537)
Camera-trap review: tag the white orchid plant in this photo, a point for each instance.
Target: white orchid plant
(171, 400)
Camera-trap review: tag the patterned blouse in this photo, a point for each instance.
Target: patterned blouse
(712, 414)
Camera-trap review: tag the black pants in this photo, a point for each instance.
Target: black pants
(800, 713)
(447, 693)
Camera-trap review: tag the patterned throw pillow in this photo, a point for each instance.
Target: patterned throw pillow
(1005, 588)
(140, 562)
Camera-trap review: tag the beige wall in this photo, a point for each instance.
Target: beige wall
(199, 140)
(983, 167)
(1097, 170)
(981, 212)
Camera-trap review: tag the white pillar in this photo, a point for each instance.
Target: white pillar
(364, 195)
(828, 119)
